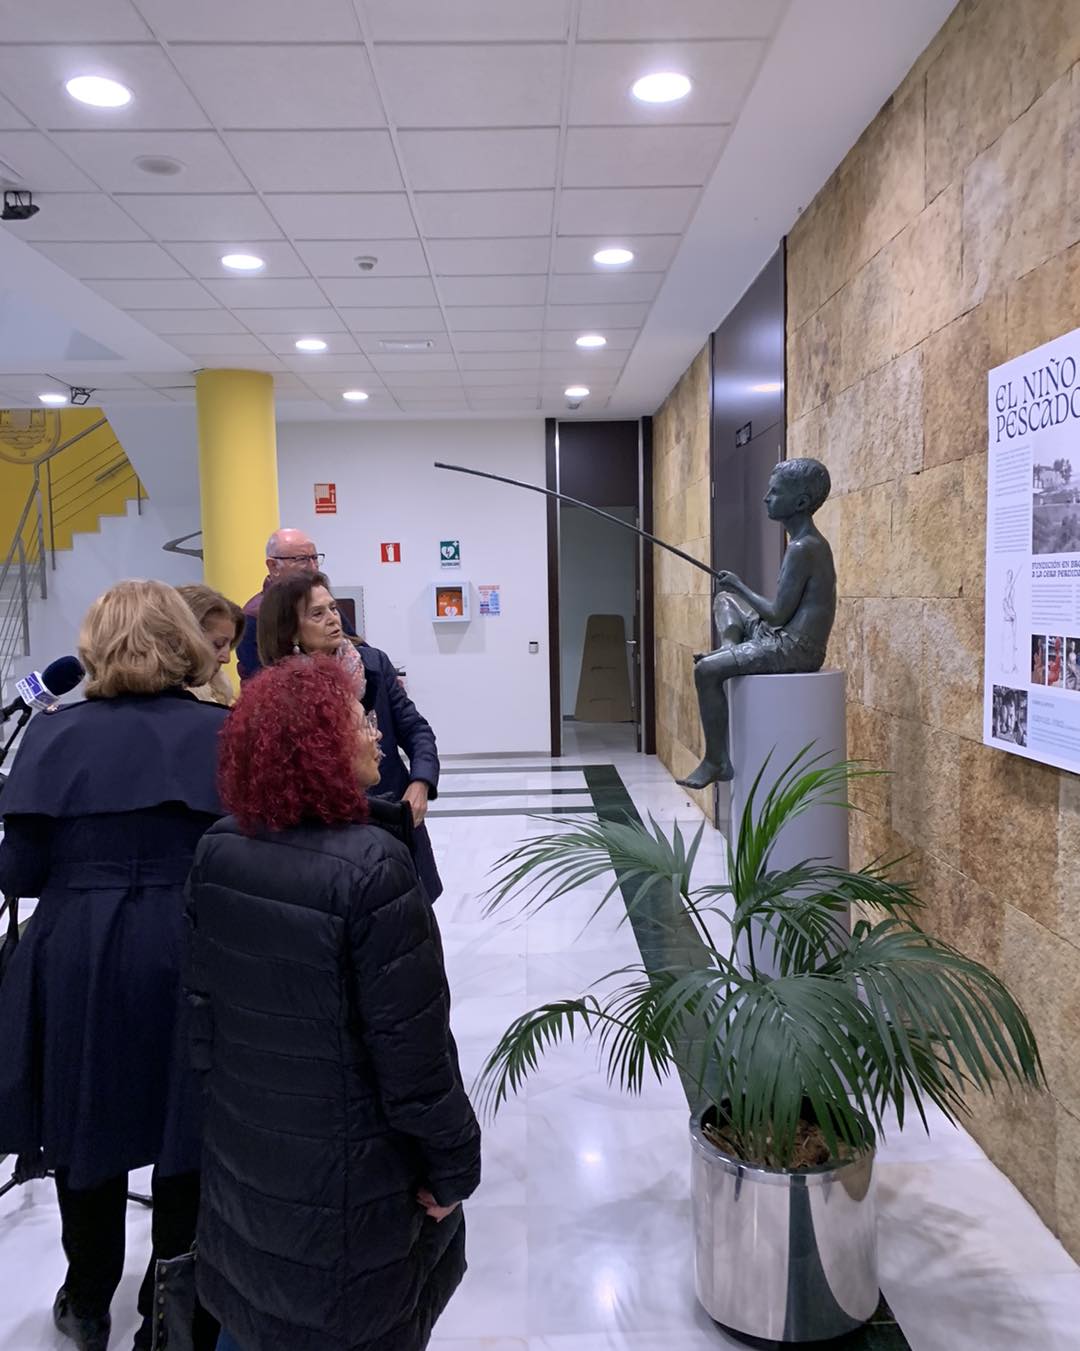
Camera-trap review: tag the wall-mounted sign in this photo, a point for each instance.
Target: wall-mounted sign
(326, 499)
(450, 553)
(744, 435)
(1031, 694)
(390, 553)
(490, 600)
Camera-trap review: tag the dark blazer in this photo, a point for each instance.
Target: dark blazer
(321, 1020)
(248, 662)
(102, 812)
(403, 728)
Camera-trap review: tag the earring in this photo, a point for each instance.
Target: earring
(296, 649)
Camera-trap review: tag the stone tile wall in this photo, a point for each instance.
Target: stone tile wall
(681, 517)
(949, 241)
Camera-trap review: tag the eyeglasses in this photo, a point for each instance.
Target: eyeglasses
(317, 559)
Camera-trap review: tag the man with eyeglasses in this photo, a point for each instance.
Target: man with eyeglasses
(288, 551)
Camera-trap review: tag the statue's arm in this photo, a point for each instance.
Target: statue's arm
(794, 574)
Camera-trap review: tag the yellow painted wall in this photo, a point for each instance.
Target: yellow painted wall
(80, 499)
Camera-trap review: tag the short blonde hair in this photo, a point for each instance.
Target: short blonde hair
(141, 638)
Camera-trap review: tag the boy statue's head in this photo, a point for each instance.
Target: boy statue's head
(797, 486)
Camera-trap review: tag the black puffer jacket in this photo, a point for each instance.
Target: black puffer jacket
(333, 1091)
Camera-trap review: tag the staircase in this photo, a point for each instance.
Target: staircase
(84, 478)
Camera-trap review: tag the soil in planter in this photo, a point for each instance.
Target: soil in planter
(811, 1149)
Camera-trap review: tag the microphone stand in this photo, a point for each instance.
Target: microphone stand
(30, 1166)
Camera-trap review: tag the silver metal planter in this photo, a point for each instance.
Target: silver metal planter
(788, 1257)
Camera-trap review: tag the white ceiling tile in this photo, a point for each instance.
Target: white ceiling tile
(337, 376)
(155, 295)
(344, 215)
(610, 287)
(487, 404)
(468, 20)
(472, 86)
(139, 397)
(634, 20)
(425, 361)
(75, 20)
(162, 379)
(484, 257)
(33, 77)
(427, 400)
(169, 322)
(486, 318)
(256, 86)
(461, 215)
(586, 211)
(214, 361)
(448, 160)
(109, 157)
(223, 344)
(422, 379)
(493, 290)
(499, 393)
(10, 118)
(332, 365)
(77, 216)
(513, 341)
(180, 393)
(419, 321)
(37, 164)
(596, 316)
(241, 20)
(334, 258)
(337, 345)
(562, 366)
(126, 261)
(288, 384)
(360, 290)
(652, 253)
(267, 292)
(618, 340)
(722, 74)
(202, 217)
(374, 343)
(314, 322)
(500, 379)
(499, 361)
(617, 157)
(204, 260)
(317, 161)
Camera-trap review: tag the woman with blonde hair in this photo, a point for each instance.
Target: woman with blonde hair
(104, 807)
(222, 620)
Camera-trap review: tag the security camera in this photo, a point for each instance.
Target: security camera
(366, 262)
(573, 404)
(574, 396)
(18, 205)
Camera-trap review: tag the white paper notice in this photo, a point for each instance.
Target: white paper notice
(1032, 655)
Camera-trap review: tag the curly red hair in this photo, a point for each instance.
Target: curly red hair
(287, 748)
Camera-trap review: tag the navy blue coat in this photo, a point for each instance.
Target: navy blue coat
(102, 813)
(333, 1092)
(403, 728)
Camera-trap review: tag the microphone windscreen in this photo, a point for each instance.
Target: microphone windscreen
(62, 675)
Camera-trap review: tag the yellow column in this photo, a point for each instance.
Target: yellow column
(238, 483)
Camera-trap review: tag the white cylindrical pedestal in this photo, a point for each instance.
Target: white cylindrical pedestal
(777, 716)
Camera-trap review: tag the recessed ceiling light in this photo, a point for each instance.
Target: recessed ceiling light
(98, 91)
(771, 387)
(356, 396)
(243, 262)
(613, 257)
(664, 86)
(591, 340)
(161, 166)
(53, 398)
(310, 345)
(576, 392)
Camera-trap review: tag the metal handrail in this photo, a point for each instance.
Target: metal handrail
(174, 546)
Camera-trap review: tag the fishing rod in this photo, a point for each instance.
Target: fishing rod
(562, 497)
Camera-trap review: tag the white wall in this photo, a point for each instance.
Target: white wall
(477, 683)
(597, 576)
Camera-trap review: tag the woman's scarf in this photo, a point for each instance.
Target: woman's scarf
(349, 656)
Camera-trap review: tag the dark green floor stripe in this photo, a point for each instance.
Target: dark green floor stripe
(584, 810)
(516, 769)
(517, 792)
(666, 936)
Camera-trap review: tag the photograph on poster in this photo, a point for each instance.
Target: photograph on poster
(1010, 714)
(1038, 660)
(1055, 663)
(1055, 517)
(1009, 630)
(1072, 664)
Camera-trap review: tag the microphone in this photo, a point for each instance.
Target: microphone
(41, 689)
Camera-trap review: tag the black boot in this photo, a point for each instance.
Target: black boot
(88, 1334)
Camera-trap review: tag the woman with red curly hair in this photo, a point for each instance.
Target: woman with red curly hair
(338, 1139)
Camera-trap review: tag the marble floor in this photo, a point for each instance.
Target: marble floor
(579, 1236)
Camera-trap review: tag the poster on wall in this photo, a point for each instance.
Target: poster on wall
(1031, 695)
(326, 499)
(490, 601)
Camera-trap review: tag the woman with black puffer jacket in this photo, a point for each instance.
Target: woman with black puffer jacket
(339, 1142)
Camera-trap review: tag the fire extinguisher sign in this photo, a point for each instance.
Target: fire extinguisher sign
(390, 553)
(326, 499)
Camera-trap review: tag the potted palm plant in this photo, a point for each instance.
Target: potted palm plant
(791, 1066)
